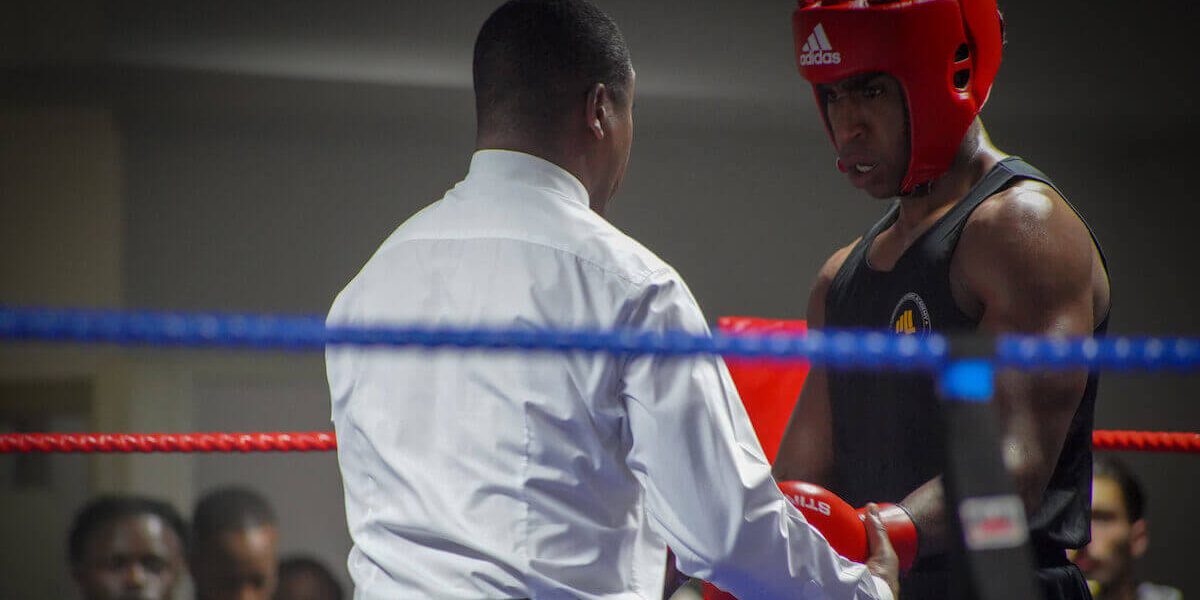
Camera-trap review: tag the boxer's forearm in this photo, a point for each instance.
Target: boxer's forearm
(927, 505)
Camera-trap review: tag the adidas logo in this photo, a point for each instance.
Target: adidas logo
(817, 50)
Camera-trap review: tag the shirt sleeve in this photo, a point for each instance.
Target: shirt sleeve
(708, 485)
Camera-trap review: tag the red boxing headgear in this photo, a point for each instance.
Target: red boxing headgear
(944, 53)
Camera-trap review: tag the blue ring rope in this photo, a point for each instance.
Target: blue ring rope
(843, 349)
(300, 333)
(1111, 353)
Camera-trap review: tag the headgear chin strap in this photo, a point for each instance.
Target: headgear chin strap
(944, 53)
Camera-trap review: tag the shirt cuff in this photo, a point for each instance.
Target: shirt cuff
(885, 591)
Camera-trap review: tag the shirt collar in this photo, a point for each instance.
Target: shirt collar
(513, 166)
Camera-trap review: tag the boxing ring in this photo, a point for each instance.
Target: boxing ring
(990, 525)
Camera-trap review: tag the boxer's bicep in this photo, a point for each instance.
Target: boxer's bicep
(1027, 258)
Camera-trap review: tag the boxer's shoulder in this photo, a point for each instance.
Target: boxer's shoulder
(1024, 248)
(834, 264)
(1024, 225)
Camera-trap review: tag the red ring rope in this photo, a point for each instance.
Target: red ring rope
(300, 441)
(1147, 441)
(322, 441)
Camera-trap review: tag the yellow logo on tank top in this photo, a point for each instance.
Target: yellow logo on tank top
(911, 316)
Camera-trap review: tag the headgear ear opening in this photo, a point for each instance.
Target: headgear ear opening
(944, 53)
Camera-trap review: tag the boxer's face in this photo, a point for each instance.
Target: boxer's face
(1116, 541)
(869, 121)
(237, 565)
(132, 558)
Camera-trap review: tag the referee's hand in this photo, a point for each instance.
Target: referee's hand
(883, 562)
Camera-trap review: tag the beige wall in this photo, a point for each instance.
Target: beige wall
(61, 242)
(60, 185)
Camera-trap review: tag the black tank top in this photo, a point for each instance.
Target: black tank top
(886, 425)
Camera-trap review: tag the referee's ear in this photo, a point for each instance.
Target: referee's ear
(599, 109)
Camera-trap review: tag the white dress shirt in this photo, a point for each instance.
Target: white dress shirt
(484, 474)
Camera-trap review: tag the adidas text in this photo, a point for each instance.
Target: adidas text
(820, 58)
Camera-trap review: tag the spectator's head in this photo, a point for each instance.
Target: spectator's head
(234, 540)
(127, 548)
(553, 78)
(304, 578)
(1119, 532)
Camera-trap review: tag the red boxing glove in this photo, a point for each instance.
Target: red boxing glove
(900, 530)
(841, 525)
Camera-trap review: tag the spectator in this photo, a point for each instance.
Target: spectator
(234, 539)
(127, 547)
(305, 578)
(1120, 535)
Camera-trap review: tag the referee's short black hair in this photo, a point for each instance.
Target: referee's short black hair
(104, 510)
(534, 58)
